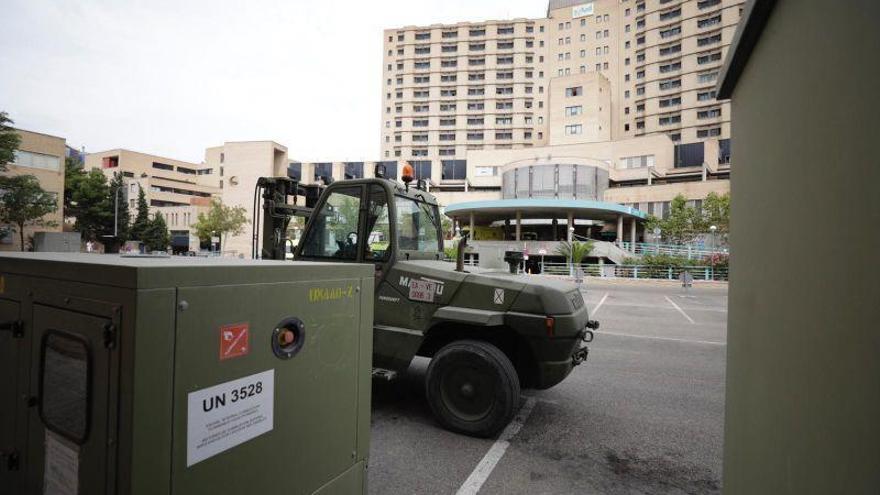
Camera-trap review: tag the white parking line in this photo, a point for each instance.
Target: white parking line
(481, 473)
(688, 341)
(679, 310)
(596, 309)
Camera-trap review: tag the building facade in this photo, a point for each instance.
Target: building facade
(42, 156)
(590, 72)
(179, 190)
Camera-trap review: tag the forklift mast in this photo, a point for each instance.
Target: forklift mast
(279, 205)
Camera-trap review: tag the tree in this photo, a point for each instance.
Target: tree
(120, 210)
(90, 204)
(24, 203)
(9, 141)
(73, 174)
(574, 251)
(682, 225)
(716, 211)
(222, 220)
(142, 220)
(156, 236)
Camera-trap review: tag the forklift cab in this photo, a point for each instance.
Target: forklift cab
(372, 221)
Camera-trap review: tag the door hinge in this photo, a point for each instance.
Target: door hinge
(14, 326)
(110, 336)
(11, 460)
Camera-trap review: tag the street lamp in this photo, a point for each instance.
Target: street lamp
(714, 229)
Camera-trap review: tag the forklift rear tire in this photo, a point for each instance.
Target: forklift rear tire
(472, 388)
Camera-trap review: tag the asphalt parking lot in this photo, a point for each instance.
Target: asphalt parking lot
(644, 415)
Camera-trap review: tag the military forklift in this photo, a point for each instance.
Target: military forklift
(488, 334)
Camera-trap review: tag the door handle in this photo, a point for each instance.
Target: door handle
(14, 326)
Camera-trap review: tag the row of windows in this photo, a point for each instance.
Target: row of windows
(583, 21)
(36, 160)
(674, 101)
(452, 34)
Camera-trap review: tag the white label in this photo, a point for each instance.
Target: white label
(498, 298)
(229, 414)
(582, 10)
(422, 290)
(61, 476)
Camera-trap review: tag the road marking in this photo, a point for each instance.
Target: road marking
(679, 309)
(481, 473)
(601, 302)
(708, 342)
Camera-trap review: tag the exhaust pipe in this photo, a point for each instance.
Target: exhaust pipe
(459, 255)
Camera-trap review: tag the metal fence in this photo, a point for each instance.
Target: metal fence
(698, 272)
(682, 250)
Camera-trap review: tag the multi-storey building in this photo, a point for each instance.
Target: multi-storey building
(42, 156)
(589, 72)
(179, 190)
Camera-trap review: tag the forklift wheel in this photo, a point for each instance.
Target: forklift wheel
(472, 388)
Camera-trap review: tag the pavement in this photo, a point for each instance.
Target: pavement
(644, 415)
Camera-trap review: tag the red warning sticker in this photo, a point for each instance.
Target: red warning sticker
(234, 341)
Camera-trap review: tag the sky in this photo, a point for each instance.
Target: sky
(172, 78)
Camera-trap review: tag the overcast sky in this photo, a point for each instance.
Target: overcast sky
(174, 77)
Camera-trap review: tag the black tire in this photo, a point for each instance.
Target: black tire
(472, 388)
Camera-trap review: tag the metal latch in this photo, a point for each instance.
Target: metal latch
(110, 336)
(14, 326)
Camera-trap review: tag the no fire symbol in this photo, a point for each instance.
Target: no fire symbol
(233, 341)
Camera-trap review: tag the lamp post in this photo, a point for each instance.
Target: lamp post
(571, 251)
(714, 229)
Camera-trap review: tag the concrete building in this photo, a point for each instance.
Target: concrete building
(590, 72)
(803, 378)
(42, 156)
(179, 190)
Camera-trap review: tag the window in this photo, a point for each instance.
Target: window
(640, 40)
(476, 91)
(504, 60)
(447, 122)
(504, 120)
(476, 61)
(670, 67)
(448, 92)
(446, 152)
(669, 119)
(420, 108)
(449, 48)
(640, 91)
(418, 224)
(670, 14)
(475, 136)
(448, 77)
(476, 76)
(574, 91)
(447, 136)
(475, 121)
(449, 62)
(160, 166)
(66, 391)
(568, 40)
(48, 162)
(637, 161)
(708, 58)
(583, 53)
(688, 155)
(530, 29)
(354, 170)
(705, 4)
(421, 93)
(447, 107)
(475, 106)
(503, 135)
(331, 233)
(477, 32)
(668, 33)
(709, 113)
(574, 129)
(724, 151)
(423, 36)
(417, 138)
(422, 64)
(420, 123)
(504, 105)
(669, 84)
(504, 75)
(669, 50)
(423, 49)
(640, 74)
(706, 95)
(574, 110)
(709, 21)
(420, 152)
(477, 47)
(670, 102)
(449, 34)
(505, 30)
(707, 77)
(709, 40)
(505, 45)
(640, 57)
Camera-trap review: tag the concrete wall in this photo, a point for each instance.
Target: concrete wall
(803, 363)
(50, 180)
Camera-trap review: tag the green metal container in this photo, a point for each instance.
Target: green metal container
(183, 375)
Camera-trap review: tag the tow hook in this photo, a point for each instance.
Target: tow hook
(581, 354)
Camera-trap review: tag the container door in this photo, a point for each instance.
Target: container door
(67, 440)
(11, 347)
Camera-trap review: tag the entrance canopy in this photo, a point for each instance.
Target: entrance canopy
(485, 212)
